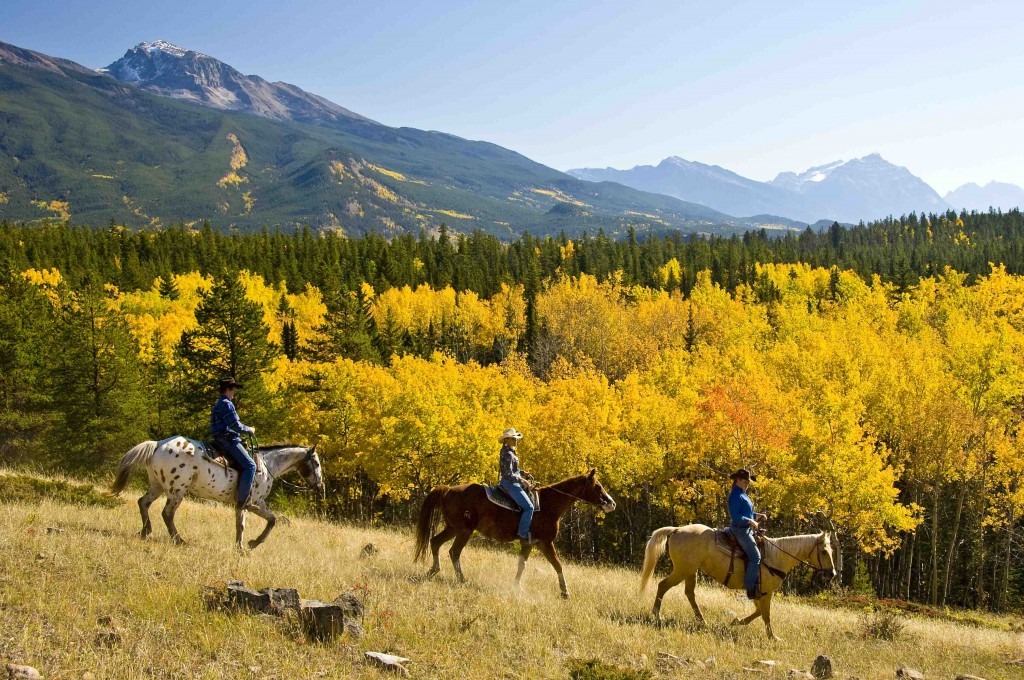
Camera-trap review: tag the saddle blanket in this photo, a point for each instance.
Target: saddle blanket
(497, 495)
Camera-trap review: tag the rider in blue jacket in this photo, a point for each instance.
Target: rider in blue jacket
(744, 522)
(226, 429)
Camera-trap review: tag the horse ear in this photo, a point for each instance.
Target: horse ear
(593, 471)
(313, 450)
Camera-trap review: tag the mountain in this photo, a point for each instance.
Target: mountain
(708, 185)
(998, 195)
(862, 189)
(165, 69)
(850, 191)
(245, 153)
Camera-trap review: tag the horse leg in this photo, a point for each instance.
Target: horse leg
(263, 511)
(239, 527)
(757, 612)
(524, 554)
(765, 605)
(691, 595)
(456, 551)
(548, 549)
(144, 503)
(666, 584)
(436, 542)
(173, 501)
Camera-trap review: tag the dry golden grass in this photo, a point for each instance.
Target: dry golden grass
(54, 586)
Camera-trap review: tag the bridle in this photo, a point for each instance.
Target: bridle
(310, 452)
(570, 495)
(817, 553)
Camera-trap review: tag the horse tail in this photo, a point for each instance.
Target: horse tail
(140, 453)
(653, 552)
(430, 516)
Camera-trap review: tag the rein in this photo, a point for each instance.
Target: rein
(817, 551)
(565, 493)
(284, 482)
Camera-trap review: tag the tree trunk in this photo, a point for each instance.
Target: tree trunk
(1006, 561)
(905, 592)
(933, 580)
(952, 542)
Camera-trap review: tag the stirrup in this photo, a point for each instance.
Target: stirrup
(527, 540)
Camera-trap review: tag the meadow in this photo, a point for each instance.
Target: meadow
(72, 569)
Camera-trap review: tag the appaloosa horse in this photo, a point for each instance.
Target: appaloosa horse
(466, 509)
(176, 466)
(692, 549)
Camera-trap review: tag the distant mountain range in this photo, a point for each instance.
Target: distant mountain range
(998, 195)
(167, 134)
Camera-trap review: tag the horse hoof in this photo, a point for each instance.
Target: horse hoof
(432, 573)
(565, 596)
(735, 622)
(178, 540)
(253, 544)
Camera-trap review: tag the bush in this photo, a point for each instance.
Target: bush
(595, 669)
(882, 624)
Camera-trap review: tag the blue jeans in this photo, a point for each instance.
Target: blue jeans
(233, 448)
(745, 537)
(523, 501)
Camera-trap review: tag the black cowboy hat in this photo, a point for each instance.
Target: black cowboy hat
(227, 383)
(742, 473)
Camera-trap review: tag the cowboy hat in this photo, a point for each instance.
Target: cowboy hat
(743, 474)
(510, 433)
(226, 383)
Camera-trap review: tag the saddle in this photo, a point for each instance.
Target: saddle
(212, 452)
(497, 495)
(725, 542)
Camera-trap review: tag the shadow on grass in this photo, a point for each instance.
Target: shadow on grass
(690, 626)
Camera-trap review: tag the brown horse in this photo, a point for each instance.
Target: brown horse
(692, 549)
(466, 509)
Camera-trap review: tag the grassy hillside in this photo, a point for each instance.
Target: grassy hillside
(63, 567)
(82, 145)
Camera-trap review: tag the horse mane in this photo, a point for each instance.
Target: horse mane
(275, 447)
(791, 543)
(562, 481)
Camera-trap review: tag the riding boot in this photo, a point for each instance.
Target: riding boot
(527, 540)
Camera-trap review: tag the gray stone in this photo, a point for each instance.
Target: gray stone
(354, 629)
(322, 621)
(16, 672)
(968, 677)
(907, 672)
(389, 662)
(352, 605)
(283, 599)
(822, 667)
(369, 550)
(240, 597)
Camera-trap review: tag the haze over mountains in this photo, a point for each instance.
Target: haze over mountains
(847, 191)
(166, 134)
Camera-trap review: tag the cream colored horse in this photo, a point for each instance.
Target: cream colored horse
(692, 549)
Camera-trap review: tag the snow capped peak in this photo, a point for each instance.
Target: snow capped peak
(163, 46)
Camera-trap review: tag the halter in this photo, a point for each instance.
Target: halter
(817, 553)
(286, 483)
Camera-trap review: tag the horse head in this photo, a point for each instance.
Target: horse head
(826, 558)
(595, 494)
(311, 470)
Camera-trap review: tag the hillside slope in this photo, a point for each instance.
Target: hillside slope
(64, 568)
(78, 143)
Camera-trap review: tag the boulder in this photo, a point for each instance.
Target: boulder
(907, 672)
(968, 677)
(369, 550)
(352, 605)
(389, 662)
(322, 621)
(822, 667)
(240, 597)
(283, 599)
(16, 672)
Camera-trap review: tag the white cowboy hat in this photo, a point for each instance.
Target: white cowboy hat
(510, 433)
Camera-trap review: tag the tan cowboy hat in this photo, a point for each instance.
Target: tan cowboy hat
(510, 433)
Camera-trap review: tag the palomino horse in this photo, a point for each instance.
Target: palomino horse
(692, 549)
(175, 467)
(465, 509)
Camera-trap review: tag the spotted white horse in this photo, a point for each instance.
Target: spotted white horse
(177, 466)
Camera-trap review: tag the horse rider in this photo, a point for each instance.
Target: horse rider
(226, 429)
(744, 522)
(513, 480)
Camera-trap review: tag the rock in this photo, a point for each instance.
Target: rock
(283, 599)
(907, 672)
(968, 677)
(767, 664)
(54, 530)
(16, 672)
(240, 597)
(322, 621)
(213, 598)
(795, 674)
(369, 550)
(108, 638)
(1015, 662)
(754, 670)
(389, 662)
(354, 629)
(352, 605)
(822, 667)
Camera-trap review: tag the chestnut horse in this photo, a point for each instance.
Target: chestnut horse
(466, 509)
(692, 549)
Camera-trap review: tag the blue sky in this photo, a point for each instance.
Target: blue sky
(756, 87)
